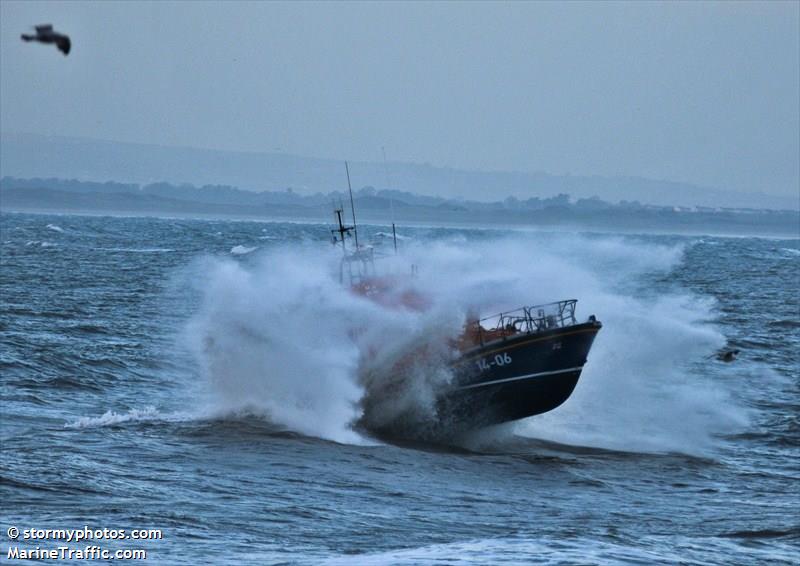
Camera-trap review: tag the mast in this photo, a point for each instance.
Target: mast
(391, 199)
(352, 206)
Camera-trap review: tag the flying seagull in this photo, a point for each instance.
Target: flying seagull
(45, 34)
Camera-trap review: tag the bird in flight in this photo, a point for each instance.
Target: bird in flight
(45, 34)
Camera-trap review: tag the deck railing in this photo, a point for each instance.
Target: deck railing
(357, 267)
(527, 320)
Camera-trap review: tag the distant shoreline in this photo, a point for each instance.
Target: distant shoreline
(779, 232)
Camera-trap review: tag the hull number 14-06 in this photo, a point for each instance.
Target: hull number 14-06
(498, 360)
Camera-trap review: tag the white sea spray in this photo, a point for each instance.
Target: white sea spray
(281, 336)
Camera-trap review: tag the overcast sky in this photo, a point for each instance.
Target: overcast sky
(706, 93)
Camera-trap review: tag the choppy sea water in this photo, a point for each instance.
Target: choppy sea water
(205, 378)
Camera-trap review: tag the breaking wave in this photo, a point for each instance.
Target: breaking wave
(111, 418)
(137, 250)
(242, 250)
(389, 235)
(282, 338)
(40, 244)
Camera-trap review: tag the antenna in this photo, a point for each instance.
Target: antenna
(342, 230)
(391, 199)
(352, 206)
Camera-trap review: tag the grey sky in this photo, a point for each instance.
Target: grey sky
(706, 93)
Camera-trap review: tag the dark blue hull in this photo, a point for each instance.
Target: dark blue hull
(517, 377)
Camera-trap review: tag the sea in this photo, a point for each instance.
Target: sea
(205, 379)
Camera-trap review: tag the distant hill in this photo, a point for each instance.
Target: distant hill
(29, 155)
